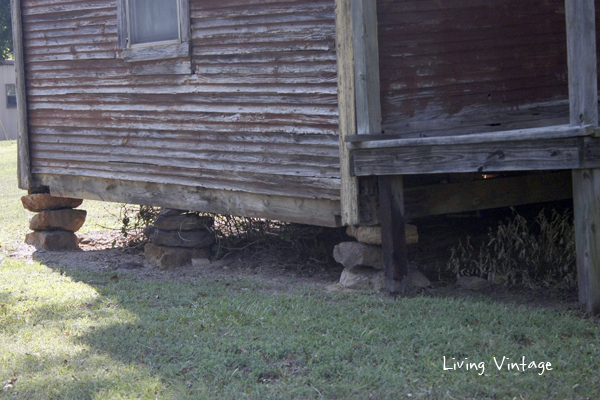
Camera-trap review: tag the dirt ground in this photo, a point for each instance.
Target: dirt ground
(287, 269)
(107, 251)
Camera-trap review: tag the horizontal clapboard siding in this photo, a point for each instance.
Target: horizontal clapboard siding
(460, 66)
(258, 113)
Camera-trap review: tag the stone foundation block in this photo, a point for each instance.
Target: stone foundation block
(200, 262)
(372, 234)
(168, 212)
(362, 278)
(197, 238)
(356, 254)
(417, 279)
(183, 222)
(366, 278)
(166, 257)
(66, 220)
(53, 240)
(43, 201)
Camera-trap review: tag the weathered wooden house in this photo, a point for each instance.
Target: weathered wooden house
(327, 112)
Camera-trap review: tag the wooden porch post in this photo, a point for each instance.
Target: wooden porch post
(393, 232)
(347, 109)
(583, 98)
(23, 166)
(368, 122)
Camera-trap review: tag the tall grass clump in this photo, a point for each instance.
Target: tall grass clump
(518, 252)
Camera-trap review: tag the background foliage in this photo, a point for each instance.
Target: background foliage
(6, 40)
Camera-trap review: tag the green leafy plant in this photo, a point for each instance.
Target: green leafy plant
(541, 253)
(134, 218)
(6, 40)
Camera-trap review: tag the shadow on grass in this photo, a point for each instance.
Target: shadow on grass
(231, 339)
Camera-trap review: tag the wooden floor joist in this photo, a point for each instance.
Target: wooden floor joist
(481, 194)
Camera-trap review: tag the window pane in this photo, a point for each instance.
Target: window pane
(11, 96)
(153, 21)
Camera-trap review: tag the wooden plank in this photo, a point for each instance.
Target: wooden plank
(347, 109)
(586, 204)
(293, 166)
(170, 67)
(366, 67)
(184, 17)
(305, 211)
(393, 233)
(149, 53)
(24, 161)
(298, 187)
(479, 119)
(484, 194)
(583, 97)
(122, 24)
(279, 143)
(367, 91)
(542, 133)
(477, 157)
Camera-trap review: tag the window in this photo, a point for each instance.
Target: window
(152, 21)
(11, 96)
(153, 29)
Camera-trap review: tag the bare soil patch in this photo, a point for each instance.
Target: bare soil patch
(108, 251)
(286, 270)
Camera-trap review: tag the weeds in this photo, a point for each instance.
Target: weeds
(301, 243)
(519, 253)
(134, 218)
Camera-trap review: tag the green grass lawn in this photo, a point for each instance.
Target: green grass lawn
(14, 218)
(67, 333)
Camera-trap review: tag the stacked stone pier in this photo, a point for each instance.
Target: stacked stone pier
(55, 223)
(178, 237)
(363, 259)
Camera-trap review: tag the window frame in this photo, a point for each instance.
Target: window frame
(8, 103)
(154, 50)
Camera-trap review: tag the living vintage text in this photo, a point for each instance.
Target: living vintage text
(501, 364)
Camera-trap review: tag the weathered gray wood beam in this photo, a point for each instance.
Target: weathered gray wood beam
(305, 211)
(583, 98)
(543, 133)
(367, 91)
(184, 15)
(347, 109)
(121, 24)
(482, 194)
(366, 67)
(24, 161)
(526, 155)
